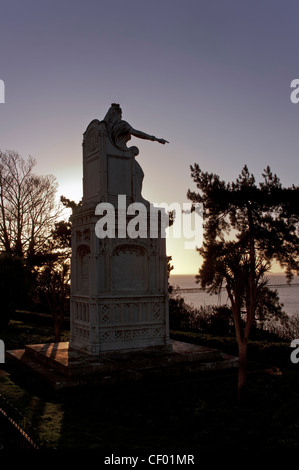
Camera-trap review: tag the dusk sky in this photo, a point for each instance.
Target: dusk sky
(212, 77)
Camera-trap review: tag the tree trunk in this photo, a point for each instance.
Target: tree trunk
(58, 324)
(57, 330)
(242, 372)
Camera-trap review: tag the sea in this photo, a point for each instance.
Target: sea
(187, 287)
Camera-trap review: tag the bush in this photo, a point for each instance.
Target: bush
(15, 281)
(218, 321)
(208, 319)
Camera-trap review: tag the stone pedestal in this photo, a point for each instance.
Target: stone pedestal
(119, 284)
(63, 367)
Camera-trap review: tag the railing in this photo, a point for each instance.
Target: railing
(17, 431)
(187, 290)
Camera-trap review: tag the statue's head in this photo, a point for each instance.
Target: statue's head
(116, 109)
(114, 114)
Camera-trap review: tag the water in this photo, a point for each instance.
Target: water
(288, 294)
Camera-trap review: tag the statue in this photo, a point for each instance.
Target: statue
(119, 290)
(120, 131)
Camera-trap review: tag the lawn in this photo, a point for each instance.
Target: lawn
(193, 411)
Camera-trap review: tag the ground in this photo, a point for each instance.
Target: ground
(191, 412)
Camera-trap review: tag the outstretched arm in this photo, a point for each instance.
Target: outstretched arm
(143, 135)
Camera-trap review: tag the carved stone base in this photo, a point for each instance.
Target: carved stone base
(121, 323)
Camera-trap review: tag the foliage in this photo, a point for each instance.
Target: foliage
(15, 283)
(32, 235)
(217, 320)
(53, 274)
(246, 227)
(209, 319)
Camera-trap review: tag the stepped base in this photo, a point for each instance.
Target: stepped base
(63, 367)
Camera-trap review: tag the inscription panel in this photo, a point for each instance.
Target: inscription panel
(119, 176)
(129, 269)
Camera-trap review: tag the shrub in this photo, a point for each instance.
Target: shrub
(15, 281)
(207, 319)
(218, 321)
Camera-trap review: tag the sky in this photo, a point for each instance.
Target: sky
(212, 77)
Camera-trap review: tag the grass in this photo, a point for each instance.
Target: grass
(265, 352)
(191, 412)
(19, 333)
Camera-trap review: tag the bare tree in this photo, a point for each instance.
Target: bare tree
(28, 209)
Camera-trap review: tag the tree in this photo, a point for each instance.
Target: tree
(53, 274)
(28, 208)
(53, 270)
(246, 228)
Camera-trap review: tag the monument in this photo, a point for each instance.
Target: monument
(119, 283)
(119, 280)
